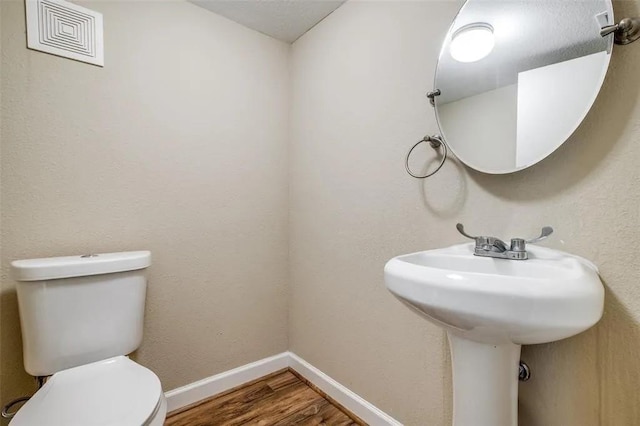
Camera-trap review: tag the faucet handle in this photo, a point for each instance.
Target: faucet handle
(460, 228)
(546, 231)
(484, 243)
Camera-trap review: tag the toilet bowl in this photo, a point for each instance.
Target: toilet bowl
(80, 316)
(113, 392)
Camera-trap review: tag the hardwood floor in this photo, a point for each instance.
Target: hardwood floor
(279, 399)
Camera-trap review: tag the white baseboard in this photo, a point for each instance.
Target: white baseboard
(345, 397)
(213, 385)
(203, 389)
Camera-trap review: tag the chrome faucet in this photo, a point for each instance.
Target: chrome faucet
(495, 247)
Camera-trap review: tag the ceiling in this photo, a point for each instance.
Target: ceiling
(285, 20)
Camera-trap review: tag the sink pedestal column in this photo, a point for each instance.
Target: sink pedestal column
(485, 382)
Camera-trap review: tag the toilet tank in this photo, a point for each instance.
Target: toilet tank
(79, 309)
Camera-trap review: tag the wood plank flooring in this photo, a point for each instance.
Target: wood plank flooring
(279, 399)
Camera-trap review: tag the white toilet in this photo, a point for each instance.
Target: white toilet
(80, 317)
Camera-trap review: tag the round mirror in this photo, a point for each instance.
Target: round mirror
(516, 78)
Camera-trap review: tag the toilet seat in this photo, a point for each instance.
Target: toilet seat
(112, 392)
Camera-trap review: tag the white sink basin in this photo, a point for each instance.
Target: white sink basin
(489, 307)
(550, 296)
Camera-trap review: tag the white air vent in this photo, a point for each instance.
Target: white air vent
(65, 29)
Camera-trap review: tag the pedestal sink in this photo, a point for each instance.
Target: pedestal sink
(489, 308)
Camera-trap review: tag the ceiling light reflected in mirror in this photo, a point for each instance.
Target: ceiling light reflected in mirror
(472, 42)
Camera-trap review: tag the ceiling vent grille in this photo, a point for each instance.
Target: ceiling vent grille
(65, 29)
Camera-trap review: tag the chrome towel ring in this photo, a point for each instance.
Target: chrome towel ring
(436, 142)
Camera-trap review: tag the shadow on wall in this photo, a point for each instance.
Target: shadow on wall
(449, 203)
(619, 373)
(589, 379)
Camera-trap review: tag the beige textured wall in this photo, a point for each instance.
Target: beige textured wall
(359, 79)
(179, 146)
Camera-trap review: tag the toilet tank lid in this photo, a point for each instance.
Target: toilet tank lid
(52, 268)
